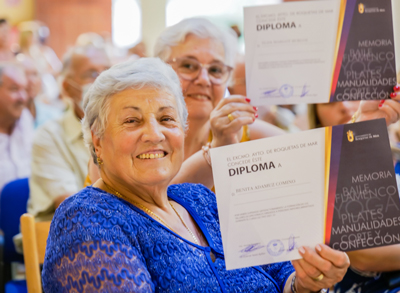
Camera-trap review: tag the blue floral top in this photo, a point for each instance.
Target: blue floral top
(101, 243)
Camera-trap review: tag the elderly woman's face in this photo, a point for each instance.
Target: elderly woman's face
(143, 139)
(201, 95)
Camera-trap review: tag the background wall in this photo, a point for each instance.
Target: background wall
(68, 19)
(17, 10)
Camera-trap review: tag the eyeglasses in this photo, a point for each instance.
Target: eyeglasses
(189, 69)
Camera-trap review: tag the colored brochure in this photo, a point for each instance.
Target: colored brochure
(333, 185)
(319, 51)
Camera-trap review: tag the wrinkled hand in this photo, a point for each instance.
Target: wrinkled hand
(224, 130)
(388, 109)
(324, 260)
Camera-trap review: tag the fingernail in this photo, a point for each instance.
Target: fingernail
(318, 247)
(247, 100)
(380, 105)
(302, 250)
(255, 108)
(393, 95)
(396, 87)
(256, 115)
(254, 119)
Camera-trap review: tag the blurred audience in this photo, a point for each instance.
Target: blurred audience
(137, 51)
(40, 111)
(16, 124)
(59, 156)
(33, 36)
(5, 52)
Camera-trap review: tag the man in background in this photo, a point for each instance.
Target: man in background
(59, 156)
(16, 124)
(5, 52)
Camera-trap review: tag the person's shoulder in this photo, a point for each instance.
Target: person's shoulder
(49, 130)
(49, 127)
(191, 192)
(92, 207)
(88, 197)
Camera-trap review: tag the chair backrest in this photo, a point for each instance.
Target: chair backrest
(13, 200)
(34, 238)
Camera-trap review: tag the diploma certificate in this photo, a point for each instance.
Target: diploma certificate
(319, 51)
(333, 185)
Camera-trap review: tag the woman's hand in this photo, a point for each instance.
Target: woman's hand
(319, 269)
(388, 109)
(228, 118)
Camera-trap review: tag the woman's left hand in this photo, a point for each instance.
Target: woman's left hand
(319, 269)
(388, 109)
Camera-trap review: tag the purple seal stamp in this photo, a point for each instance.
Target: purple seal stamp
(275, 247)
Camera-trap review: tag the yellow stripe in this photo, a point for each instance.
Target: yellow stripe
(342, 11)
(328, 147)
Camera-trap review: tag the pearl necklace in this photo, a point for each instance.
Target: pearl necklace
(151, 213)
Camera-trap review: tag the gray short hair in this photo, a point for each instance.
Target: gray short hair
(202, 28)
(144, 72)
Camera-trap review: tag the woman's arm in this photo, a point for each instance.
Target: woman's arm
(261, 129)
(225, 132)
(380, 259)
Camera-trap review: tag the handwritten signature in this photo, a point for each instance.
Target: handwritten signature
(292, 245)
(252, 247)
(286, 91)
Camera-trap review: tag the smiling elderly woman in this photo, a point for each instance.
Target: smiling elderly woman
(130, 232)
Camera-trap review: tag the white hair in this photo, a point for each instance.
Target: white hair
(202, 28)
(144, 72)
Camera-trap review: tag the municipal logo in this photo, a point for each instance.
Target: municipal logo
(350, 135)
(361, 8)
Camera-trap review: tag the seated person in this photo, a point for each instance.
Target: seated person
(59, 156)
(5, 52)
(40, 111)
(130, 232)
(16, 124)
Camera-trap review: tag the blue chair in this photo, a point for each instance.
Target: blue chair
(13, 201)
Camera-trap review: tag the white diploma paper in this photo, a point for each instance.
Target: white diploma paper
(270, 195)
(290, 50)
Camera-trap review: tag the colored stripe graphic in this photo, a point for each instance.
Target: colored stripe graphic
(336, 147)
(328, 147)
(345, 18)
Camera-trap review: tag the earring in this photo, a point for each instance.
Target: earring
(99, 161)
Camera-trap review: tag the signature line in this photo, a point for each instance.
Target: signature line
(273, 198)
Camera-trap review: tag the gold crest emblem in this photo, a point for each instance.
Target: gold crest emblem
(361, 8)
(350, 135)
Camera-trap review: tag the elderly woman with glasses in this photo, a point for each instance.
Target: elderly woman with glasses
(203, 54)
(131, 231)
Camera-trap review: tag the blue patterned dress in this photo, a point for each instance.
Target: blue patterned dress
(101, 243)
